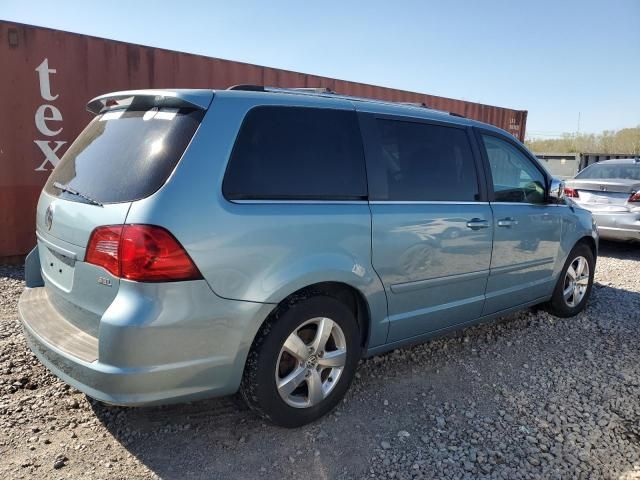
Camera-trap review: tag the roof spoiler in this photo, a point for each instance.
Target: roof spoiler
(199, 99)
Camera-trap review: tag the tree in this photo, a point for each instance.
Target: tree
(626, 141)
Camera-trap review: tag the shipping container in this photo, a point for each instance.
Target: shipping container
(49, 75)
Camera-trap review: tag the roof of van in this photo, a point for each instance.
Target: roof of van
(320, 97)
(201, 98)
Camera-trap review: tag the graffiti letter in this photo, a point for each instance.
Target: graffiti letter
(42, 118)
(45, 87)
(49, 153)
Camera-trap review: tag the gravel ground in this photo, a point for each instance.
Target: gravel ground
(530, 396)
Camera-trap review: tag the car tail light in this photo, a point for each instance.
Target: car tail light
(103, 248)
(570, 192)
(635, 197)
(143, 253)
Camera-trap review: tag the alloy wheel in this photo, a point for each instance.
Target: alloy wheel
(576, 282)
(311, 362)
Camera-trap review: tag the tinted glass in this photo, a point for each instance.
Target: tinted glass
(297, 153)
(421, 162)
(515, 177)
(124, 155)
(627, 171)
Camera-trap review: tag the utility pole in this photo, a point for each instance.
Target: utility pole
(578, 123)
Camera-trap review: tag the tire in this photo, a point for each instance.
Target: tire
(270, 363)
(562, 306)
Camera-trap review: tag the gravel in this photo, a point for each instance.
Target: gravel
(529, 396)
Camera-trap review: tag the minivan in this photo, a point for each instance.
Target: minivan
(197, 243)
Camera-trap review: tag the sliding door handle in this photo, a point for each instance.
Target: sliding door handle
(507, 222)
(477, 224)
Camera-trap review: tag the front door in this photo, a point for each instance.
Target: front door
(431, 227)
(527, 230)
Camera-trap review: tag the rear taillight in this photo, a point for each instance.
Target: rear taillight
(635, 197)
(570, 192)
(143, 253)
(103, 248)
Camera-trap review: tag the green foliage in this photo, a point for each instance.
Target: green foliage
(626, 140)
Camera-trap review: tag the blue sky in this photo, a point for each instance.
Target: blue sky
(554, 58)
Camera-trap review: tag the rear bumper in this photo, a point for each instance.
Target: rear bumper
(133, 362)
(618, 226)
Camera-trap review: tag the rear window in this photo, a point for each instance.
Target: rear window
(125, 155)
(297, 153)
(627, 171)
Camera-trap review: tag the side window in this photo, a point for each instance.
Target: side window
(413, 161)
(515, 177)
(297, 153)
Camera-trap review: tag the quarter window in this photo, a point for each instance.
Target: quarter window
(297, 153)
(414, 161)
(515, 177)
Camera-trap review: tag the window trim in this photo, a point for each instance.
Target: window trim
(298, 202)
(369, 134)
(479, 132)
(301, 199)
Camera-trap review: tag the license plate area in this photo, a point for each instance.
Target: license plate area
(57, 268)
(594, 198)
(612, 198)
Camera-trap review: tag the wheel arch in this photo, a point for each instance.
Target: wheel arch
(591, 243)
(347, 294)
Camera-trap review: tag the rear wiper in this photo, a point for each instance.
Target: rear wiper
(70, 190)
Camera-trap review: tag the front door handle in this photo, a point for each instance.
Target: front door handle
(477, 224)
(507, 222)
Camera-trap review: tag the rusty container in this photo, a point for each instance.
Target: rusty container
(49, 75)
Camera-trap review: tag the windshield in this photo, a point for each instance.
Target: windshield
(124, 155)
(628, 171)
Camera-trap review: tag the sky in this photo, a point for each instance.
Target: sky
(574, 65)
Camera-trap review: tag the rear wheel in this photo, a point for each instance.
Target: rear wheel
(574, 283)
(302, 361)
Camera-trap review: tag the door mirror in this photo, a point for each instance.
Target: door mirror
(556, 190)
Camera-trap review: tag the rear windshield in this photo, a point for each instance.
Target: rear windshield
(628, 171)
(124, 155)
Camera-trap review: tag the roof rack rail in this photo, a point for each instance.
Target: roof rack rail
(424, 105)
(247, 87)
(312, 89)
(327, 91)
(262, 88)
(414, 104)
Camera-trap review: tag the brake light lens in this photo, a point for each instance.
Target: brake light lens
(570, 192)
(635, 197)
(104, 244)
(142, 253)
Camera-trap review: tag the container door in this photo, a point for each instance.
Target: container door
(431, 228)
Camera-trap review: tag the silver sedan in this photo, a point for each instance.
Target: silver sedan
(610, 190)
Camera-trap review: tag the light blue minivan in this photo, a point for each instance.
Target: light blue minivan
(193, 243)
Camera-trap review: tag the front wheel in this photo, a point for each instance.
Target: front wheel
(574, 283)
(302, 361)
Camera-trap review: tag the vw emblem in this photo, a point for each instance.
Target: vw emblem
(603, 188)
(48, 217)
(312, 361)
